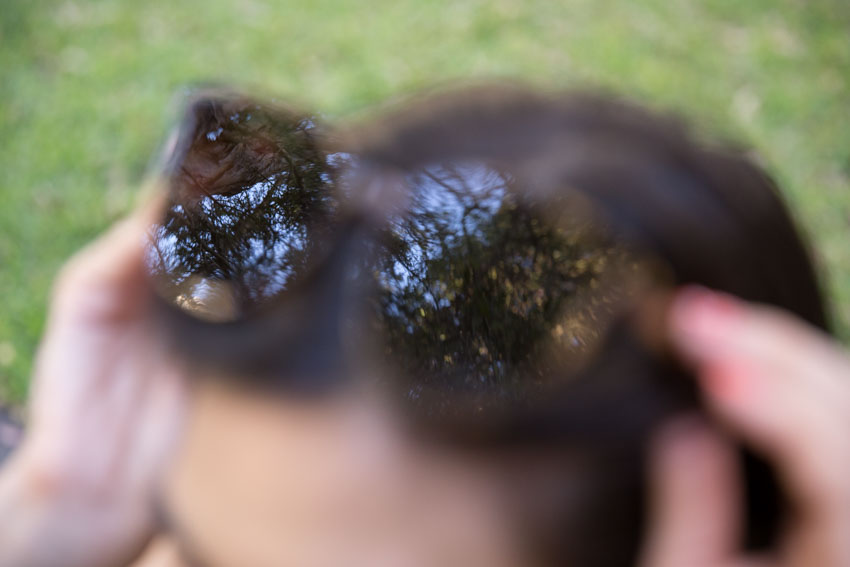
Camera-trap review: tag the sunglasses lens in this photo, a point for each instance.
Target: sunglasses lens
(490, 294)
(249, 205)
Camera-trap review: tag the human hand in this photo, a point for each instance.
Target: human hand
(106, 408)
(783, 387)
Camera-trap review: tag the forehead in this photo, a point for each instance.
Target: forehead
(251, 469)
(229, 428)
(261, 482)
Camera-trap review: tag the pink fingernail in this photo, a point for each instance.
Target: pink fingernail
(702, 313)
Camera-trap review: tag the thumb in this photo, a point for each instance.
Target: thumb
(109, 274)
(695, 496)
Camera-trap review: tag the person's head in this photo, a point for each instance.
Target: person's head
(428, 340)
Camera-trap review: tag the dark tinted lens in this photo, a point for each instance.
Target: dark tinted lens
(489, 295)
(249, 206)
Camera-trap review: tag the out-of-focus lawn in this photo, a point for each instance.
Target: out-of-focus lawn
(84, 88)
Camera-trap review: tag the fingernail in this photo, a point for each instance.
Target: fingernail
(698, 315)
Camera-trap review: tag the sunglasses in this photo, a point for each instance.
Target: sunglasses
(448, 250)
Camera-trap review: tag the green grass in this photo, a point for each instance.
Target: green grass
(84, 88)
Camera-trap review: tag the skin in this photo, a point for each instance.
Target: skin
(326, 483)
(170, 469)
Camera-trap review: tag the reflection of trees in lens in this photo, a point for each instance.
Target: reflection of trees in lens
(247, 197)
(480, 294)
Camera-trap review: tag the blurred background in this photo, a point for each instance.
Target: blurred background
(85, 89)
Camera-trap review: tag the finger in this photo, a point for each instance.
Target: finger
(109, 270)
(695, 516)
(706, 325)
(101, 286)
(782, 385)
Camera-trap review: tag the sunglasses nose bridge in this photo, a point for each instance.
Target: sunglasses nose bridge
(375, 192)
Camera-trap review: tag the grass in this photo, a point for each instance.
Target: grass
(84, 88)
